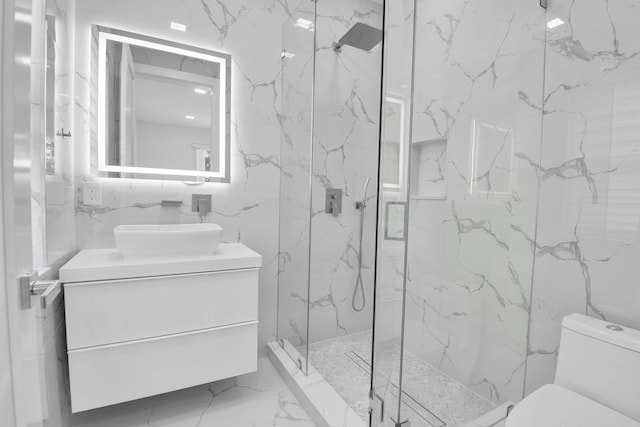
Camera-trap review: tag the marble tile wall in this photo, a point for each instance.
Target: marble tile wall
(247, 207)
(295, 191)
(478, 88)
(59, 191)
(52, 201)
(344, 154)
(588, 240)
(480, 260)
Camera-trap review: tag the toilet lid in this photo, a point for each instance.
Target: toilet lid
(555, 406)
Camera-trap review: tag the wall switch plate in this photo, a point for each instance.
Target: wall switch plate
(206, 200)
(91, 193)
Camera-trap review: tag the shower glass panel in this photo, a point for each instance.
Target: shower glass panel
(471, 208)
(330, 116)
(296, 120)
(345, 157)
(589, 214)
(395, 148)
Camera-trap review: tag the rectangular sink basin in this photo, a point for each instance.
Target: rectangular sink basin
(167, 240)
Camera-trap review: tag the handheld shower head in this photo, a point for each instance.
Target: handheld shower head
(366, 187)
(359, 289)
(363, 203)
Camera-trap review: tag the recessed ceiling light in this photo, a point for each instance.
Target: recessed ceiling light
(304, 23)
(189, 117)
(200, 91)
(178, 27)
(554, 23)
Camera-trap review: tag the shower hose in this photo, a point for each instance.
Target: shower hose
(359, 285)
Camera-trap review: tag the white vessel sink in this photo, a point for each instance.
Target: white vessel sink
(167, 240)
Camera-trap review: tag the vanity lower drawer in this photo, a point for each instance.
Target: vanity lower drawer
(107, 375)
(116, 311)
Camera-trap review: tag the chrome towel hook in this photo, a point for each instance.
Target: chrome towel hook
(64, 134)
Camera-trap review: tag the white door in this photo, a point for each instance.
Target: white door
(23, 399)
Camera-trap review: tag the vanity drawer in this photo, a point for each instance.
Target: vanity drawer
(117, 311)
(117, 373)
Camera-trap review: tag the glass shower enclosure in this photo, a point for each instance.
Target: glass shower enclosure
(455, 254)
(330, 115)
(502, 140)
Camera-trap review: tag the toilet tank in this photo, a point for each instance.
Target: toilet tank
(601, 361)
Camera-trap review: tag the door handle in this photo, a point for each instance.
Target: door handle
(29, 285)
(48, 291)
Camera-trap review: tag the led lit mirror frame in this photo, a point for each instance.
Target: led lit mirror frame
(395, 128)
(104, 35)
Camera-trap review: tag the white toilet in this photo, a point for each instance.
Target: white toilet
(597, 380)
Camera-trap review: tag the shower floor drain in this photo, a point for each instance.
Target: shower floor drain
(407, 400)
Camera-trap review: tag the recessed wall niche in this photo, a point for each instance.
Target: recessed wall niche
(429, 169)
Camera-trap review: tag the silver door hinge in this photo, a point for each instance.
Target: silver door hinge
(376, 408)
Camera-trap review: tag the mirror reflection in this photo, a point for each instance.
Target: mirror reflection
(393, 143)
(164, 109)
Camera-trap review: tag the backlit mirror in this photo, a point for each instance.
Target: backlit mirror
(163, 109)
(394, 144)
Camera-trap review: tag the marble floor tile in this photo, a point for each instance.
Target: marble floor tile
(258, 399)
(430, 398)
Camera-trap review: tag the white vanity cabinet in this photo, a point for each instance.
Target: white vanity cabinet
(140, 328)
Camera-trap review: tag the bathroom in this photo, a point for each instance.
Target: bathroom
(416, 201)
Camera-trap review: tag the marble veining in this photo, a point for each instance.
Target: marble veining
(588, 240)
(507, 143)
(469, 264)
(257, 399)
(341, 153)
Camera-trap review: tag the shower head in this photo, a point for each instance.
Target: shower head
(361, 36)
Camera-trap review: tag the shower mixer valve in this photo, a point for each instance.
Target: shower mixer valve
(333, 201)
